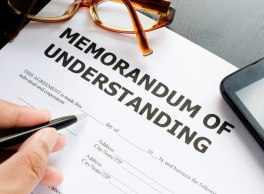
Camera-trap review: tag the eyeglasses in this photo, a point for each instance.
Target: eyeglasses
(113, 15)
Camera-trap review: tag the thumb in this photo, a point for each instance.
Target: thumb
(24, 170)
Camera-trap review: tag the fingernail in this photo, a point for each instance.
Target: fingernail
(45, 112)
(50, 136)
(61, 135)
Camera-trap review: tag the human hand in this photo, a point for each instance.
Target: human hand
(27, 168)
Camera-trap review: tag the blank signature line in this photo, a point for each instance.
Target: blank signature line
(130, 142)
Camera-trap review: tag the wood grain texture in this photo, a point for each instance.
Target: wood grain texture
(232, 30)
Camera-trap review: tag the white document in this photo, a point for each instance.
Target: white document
(170, 136)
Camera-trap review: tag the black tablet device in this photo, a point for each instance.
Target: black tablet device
(243, 90)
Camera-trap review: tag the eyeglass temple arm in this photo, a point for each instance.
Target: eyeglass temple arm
(141, 36)
(159, 7)
(19, 22)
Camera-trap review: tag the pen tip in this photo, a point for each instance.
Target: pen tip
(81, 117)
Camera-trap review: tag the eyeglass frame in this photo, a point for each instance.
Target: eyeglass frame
(160, 7)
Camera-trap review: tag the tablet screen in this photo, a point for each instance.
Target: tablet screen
(245, 89)
(252, 97)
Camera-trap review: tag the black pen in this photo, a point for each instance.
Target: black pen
(22, 135)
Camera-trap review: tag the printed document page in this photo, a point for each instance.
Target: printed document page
(156, 124)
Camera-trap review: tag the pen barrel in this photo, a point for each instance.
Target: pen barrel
(22, 135)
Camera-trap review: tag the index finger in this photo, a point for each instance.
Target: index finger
(15, 116)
